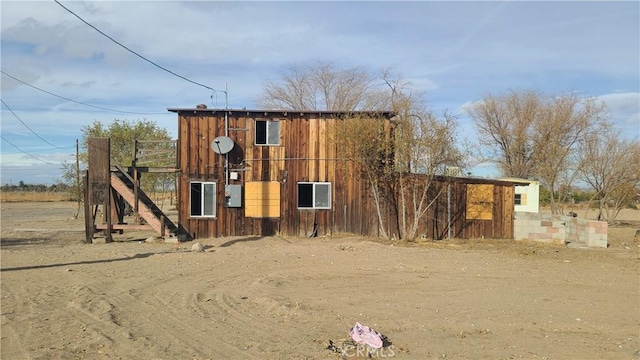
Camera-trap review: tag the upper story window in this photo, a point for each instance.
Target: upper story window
(267, 132)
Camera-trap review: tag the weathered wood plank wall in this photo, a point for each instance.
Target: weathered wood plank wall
(306, 153)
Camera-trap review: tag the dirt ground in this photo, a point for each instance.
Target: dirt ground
(296, 298)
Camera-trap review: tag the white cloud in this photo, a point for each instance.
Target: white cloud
(20, 159)
(624, 109)
(467, 105)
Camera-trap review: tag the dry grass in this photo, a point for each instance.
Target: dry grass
(33, 196)
(36, 196)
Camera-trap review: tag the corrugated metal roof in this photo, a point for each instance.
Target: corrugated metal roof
(519, 180)
(472, 180)
(386, 113)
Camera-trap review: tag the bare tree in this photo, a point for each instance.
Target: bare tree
(531, 135)
(366, 144)
(565, 121)
(428, 143)
(505, 124)
(321, 86)
(401, 160)
(424, 143)
(610, 167)
(408, 154)
(388, 154)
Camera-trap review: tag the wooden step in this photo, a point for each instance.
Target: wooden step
(157, 223)
(125, 227)
(142, 196)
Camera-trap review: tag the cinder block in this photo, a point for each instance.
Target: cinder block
(598, 242)
(576, 245)
(171, 240)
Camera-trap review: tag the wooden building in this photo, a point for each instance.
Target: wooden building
(470, 208)
(270, 172)
(264, 172)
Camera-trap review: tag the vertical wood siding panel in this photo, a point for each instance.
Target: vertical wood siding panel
(289, 212)
(294, 176)
(285, 199)
(459, 194)
(323, 147)
(330, 175)
(295, 166)
(496, 222)
(204, 148)
(320, 151)
(193, 165)
(248, 150)
(193, 162)
(313, 148)
(202, 166)
(240, 137)
(508, 212)
(303, 165)
(220, 225)
(183, 162)
(215, 127)
(303, 149)
(223, 223)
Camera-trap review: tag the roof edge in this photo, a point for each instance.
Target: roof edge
(385, 113)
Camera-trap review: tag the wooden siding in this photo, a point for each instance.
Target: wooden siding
(449, 196)
(99, 149)
(307, 154)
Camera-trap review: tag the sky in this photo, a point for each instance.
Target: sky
(456, 52)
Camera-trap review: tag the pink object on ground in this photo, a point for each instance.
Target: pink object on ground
(363, 334)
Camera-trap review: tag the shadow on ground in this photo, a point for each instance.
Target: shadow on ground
(47, 266)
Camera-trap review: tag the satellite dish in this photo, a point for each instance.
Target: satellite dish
(222, 145)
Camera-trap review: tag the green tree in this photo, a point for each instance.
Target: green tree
(122, 134)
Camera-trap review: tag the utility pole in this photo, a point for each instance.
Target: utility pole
(78, 177)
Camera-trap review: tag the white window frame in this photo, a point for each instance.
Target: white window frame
(213, 213)
(517, 199)
(268, 130)
(314, 200)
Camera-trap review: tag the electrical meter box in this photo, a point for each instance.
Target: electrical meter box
(233, 195)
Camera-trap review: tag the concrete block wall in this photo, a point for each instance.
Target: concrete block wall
(560, 229)
(590, 233)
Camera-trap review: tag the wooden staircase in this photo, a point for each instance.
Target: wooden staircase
(110, 188)
(123, 184)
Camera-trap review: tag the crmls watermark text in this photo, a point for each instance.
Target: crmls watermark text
(367, 352)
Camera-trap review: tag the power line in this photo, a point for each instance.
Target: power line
(78, 102)
(135, 53)
(27, 126)
(24, 152)
(57, 148)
